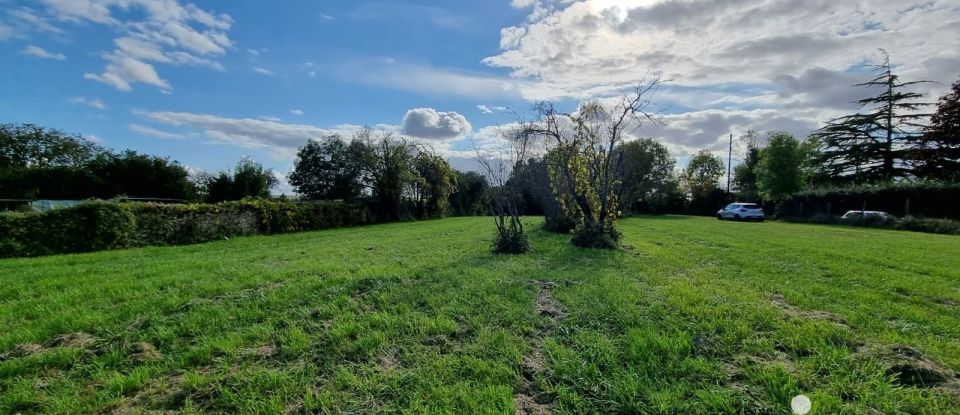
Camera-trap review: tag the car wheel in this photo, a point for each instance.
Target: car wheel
(737, 217)
(719, 217)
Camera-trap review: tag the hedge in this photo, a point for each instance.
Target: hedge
(910, 223)
(930, 199)
(93, 226)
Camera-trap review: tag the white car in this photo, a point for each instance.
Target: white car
(867, 214)
(741, 211)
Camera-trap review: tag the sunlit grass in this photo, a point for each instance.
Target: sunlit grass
(693, 316)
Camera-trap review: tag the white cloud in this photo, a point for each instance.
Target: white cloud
(484, 109)
(428, 80)
(262, 71)
(153, 132)
(91, 102)
(588, 48)
(39, 52)
(169, 32)
(281, 139)
(296, 112)
(430, 124)
(325, 17)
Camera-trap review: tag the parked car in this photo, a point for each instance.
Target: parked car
(867, 214)
(741, 211)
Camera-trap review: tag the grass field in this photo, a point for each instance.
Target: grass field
(693, 316)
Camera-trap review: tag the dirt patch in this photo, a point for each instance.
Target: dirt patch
(530, 400)
(388, 363)
(145, 352)
(526, 405)
(911, 368)
(546, 305)
(78, 340)
(796, 312)
(22, 350)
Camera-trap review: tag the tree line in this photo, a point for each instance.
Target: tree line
(45, 163)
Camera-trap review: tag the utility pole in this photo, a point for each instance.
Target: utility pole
(729, 163)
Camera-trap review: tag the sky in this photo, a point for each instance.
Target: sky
(209, 82)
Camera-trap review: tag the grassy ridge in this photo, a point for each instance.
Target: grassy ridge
(694, 316)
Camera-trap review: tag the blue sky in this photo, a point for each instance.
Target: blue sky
(208, 82)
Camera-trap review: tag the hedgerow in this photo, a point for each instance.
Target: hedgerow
(99, 225)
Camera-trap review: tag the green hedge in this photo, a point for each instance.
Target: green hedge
(94, 226)
(910, 223)
(932, 199)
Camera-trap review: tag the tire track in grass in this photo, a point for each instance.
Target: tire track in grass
(530, 400)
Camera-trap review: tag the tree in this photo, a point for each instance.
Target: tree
(248, 179)
(939, 154)
(745, 176)
(434, 184)
(700, 181)
(28, 145)
(779, 173)
(326, 170)
(533, 179)
(139, 175)
(468, 198)
(585, 167)
(875, 144)
(647, 174)
(504, 198)
(386, 168)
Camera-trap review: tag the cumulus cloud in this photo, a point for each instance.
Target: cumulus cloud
(90, 102)
(169, 32)
(580, 49)
(430, 124)
(39, 52)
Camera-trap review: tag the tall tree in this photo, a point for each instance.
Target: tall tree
(468, 198)
(247, 179)
(939, 155)
(779, 171)
(28, 145)
(434, 184)
(326, 170)
(585, 167)
(745, 176)
(387, 168)
(647, 175)
(139, 175)
(700, 179)
(874, 144)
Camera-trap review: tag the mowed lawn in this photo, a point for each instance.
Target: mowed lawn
(692, 316)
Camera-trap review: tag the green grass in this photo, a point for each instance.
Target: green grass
(693, 316)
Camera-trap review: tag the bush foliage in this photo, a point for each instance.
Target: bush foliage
(910, 223)
(97, 225)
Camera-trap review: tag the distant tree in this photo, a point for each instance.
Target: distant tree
(434, 184)
(779, 171)
(700, 179)
(876, 144)
(326, 170)
(139, 175)
(387, 168)
(939, 153)
(745, 176)
(533, 179)
(247, 179)
(468, 198)
(647, 174)
(28, 145)
(504, 197)
(585, 167)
